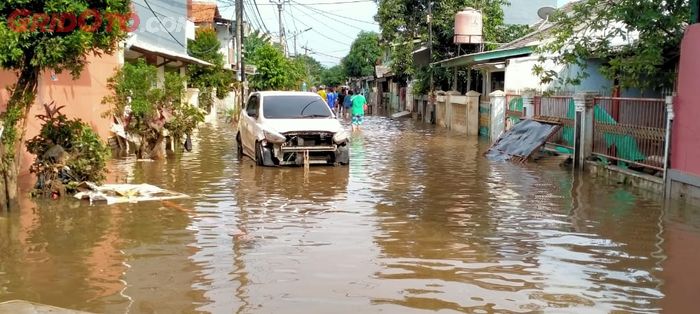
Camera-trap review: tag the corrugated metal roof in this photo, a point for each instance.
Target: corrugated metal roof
(144, 47)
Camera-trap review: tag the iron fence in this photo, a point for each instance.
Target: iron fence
(630, 131)
(560, 109)
(514, 110)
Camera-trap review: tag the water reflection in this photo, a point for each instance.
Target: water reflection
(418, 221)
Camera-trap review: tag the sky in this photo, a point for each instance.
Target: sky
(334, 23)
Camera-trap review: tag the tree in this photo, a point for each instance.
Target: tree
(274, 71)
(314, 69)
(150, 110)
(596, 29)
(333, 76)
(363, 55)
(206, 46)
(404, 21)
(30, 44)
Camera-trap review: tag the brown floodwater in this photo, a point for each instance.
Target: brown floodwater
(418, 222)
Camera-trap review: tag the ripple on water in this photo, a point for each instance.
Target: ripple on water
(418, 221)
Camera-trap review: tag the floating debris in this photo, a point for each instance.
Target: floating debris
(522, 140)
(124, 193)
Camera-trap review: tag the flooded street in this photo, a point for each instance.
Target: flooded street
(419, 221)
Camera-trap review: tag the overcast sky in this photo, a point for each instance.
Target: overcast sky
(334, 23)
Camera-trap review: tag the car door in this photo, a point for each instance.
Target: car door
(250, 121)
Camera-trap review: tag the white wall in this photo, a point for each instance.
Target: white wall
(519, 75)
(226, 40)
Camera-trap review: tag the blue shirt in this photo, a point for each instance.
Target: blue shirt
(331, 97)
(347, 103)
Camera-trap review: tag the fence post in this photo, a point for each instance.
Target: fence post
(583, 135)
(473, 113)
(498, 114)
(528, 104)
(670, 115)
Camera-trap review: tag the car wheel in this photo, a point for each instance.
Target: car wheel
(258, 154)
(239, 146)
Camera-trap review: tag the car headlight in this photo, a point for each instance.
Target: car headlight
(274, 137)
(340, 137)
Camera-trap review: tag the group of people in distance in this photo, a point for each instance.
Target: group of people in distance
(345, 102)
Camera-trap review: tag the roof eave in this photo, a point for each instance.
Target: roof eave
(486, 56)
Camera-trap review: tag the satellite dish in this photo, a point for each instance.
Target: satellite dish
(545, 12)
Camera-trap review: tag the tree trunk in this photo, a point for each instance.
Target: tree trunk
(155, 149)
(22, 98)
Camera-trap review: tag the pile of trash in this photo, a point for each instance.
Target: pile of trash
(124, 193)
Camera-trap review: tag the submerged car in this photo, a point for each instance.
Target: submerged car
(282, 128)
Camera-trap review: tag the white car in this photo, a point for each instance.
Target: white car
(280, 128)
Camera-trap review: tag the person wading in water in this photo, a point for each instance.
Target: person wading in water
(359, 105)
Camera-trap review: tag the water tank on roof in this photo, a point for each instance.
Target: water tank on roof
(468, 27)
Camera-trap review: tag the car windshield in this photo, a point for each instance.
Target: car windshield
(295, 107)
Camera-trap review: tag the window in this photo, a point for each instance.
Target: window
(295, 107)
(253, 106)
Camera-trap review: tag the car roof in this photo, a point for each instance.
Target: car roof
(286, 93)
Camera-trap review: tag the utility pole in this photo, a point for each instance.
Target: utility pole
(239, 50)
(430, 50)
(279, 4)
(294, 36)
(306, 50)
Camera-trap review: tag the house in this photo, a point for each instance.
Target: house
(510, 68)
(160, 39)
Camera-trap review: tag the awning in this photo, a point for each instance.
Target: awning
(167, 54)
(483, 57)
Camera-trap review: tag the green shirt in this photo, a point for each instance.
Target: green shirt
(358, 105)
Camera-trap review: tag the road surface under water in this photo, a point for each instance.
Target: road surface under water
(420, 221)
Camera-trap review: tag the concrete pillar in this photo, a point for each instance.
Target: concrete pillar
(449, 108)
(498, 114)
(583, 136)
(529, 104)
(161, 72)
(473, 113)
(183, 74)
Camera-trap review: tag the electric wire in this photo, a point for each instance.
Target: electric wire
(323, 12)
(326, 25)
(247, 4)
(322, 34)
(257, 9)
(330, 3)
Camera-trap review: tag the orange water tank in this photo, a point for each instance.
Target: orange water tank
(468, 27)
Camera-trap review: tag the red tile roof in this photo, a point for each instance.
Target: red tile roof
(204, 12)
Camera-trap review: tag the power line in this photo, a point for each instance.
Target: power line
(255, 3)
(331, 3)
(294, 22)
(253, 22)
(326, 25)
(161, 23)
(321, 53)
(334, 14)
(324, 35)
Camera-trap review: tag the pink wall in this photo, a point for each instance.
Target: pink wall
(685, 154)
(82, 97)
